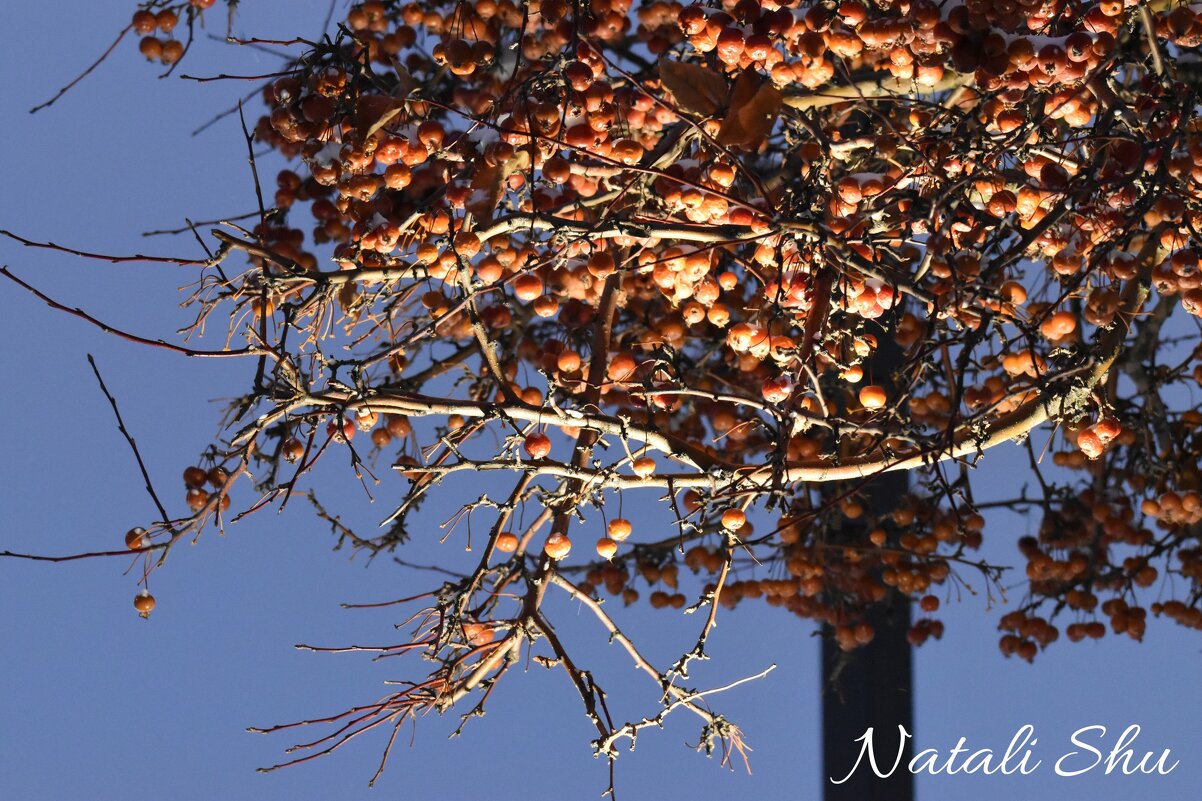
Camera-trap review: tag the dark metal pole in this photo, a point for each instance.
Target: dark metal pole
(873, 686)
(873, 689)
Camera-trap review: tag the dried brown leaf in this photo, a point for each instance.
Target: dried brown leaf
(489, 185)
(694, 88)
(754, 106)
(373, 112)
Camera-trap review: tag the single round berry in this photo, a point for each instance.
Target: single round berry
(557, 546)
(643, 466)
(135, 538)
(173, 51)
(537, 445)
(601, 264)
(872, 396)
(507, 542)
(144, 603)
(606, 548)
(166, 20)
(1108, 428)
(144, 21)
(619, 529)
(196, 499)
(398, 425)
(527, 287)
(195, 477)
(622, 367)
(293, 449)
(734, 519)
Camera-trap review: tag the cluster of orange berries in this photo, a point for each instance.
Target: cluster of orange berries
(1181, 25)
(831, 585)
(617, 579)
(1179, 612)
(557, 546)
(1173, 509)
(366, 216)
(382, 429)
(146, 23)
(561, 134)
(1029, 633)
(1094, 439)
(917, 45)
(1074, 558)
(195, 479)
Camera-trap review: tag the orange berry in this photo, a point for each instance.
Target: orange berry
(557, 170)
(257, 307)
(537, 445)
(173, 51)
(568, 361)
(734, 519)
(397, 176)
(849, 190)
(872, 396)
(144, 21)
(527, 287)
(643, 466)
(601, 264)
(619, 529)
(195, 477)
(1090, 444)
(398, 425)
(166, 20)
(430, 133)
(606, 548)
(293, 449)
(1108, 428)
(135, 538)
(778, 389)
(622, 367)
(507, 542)
(546, 306)
(557, 546)
(1013, 292)
(144, 603)
(217, 477)
(1059, 325)
(467, 244)
(196, 499)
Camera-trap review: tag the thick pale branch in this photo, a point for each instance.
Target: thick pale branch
(878, 87)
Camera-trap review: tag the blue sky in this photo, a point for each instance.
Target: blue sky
(98, 704)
